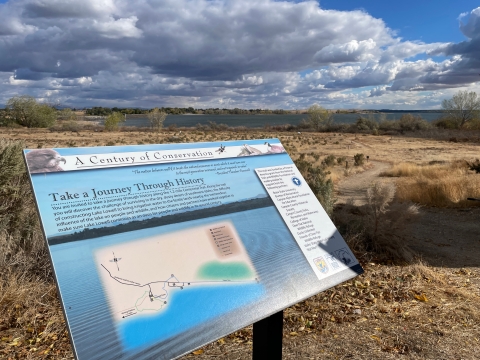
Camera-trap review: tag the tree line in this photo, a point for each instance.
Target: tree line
(461, 111)
(105, 111)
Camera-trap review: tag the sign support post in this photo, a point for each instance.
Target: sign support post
(267, 337)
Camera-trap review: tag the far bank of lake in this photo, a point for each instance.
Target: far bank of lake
(260, 121)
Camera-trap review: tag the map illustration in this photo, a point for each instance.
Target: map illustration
(140, 277)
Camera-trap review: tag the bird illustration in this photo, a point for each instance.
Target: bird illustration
(252, 150)
(221, 149)
(247, 150)
(244, 152)
(274, 149)
(44, 160)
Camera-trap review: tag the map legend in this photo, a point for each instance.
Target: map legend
(224, 240)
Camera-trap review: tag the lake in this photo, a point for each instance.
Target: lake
(259, 121)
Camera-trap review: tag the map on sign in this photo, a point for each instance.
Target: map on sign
(142, 281)
(161, 249)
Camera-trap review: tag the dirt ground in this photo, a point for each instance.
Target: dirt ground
(427, 310)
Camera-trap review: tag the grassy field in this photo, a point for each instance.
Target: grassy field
(419, 296)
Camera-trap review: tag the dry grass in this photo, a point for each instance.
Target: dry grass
(414, 310)
(443, 185)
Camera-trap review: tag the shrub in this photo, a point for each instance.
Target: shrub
(384, 220)
(329, 160)
(379, 226)
(26, 111)
(322, 187)
(445, 123)
(388, 125)
(359, 159)
(341, 160)
(366, 124)
(408, 122)
(113, 120)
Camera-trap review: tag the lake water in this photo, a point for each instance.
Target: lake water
(259, 121)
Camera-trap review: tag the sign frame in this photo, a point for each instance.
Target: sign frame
(237, 182)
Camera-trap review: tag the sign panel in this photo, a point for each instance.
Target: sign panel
(160, 249)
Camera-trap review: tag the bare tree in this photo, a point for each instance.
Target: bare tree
(462, 108)
(318, 116)
(157, 118)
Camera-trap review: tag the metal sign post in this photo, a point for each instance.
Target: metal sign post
(267, 337)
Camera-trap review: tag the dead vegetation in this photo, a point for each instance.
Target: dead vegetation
(399, 306)
(447, 184)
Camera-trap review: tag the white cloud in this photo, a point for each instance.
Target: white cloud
(353, 51)
(246, 53)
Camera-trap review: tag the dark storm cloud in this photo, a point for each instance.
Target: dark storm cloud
(262, 53)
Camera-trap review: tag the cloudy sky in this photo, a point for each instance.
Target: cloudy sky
(372, 54)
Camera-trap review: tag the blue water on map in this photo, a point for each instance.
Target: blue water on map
(187, 308)
(86, 302)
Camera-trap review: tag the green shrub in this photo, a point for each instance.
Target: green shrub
(329, 161)
(341, 160)
(388, 125)
(26, 111)
(366, 124)
(408, 122)
(322, 187)
(359, 159)
(445, 123)
(113, 120)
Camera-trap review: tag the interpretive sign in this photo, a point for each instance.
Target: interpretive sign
(160, 249)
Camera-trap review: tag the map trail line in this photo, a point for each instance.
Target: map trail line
(170, 284)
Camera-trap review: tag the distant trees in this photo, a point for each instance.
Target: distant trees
(26, 111)
(113, 120)
(157, 118)
(318, 117)
(66, 114)
(105, 111)
(462, 108)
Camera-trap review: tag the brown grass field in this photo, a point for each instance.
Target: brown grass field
(410, 226)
